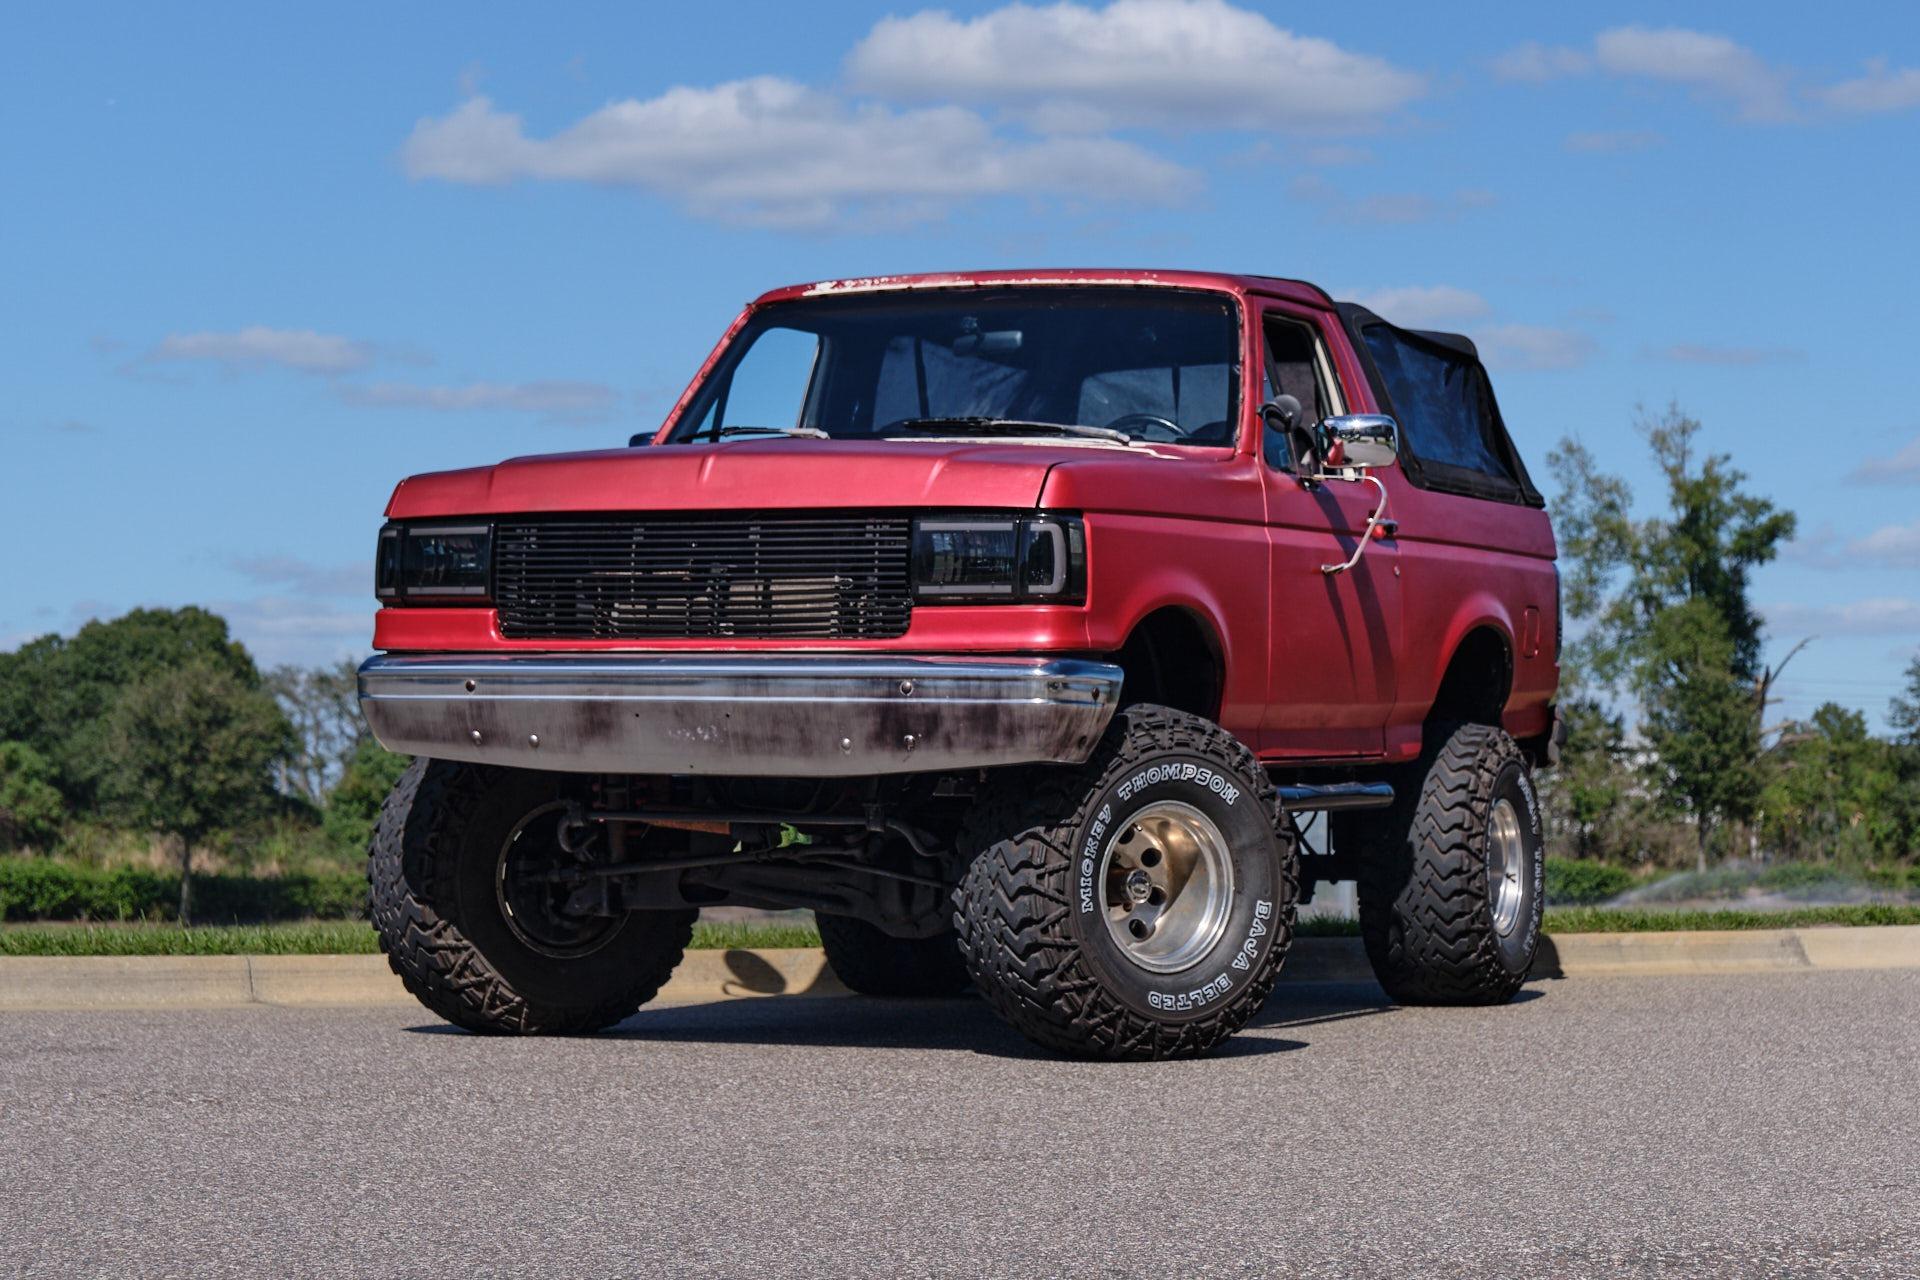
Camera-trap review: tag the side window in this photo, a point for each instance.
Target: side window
(1441, 399)
(1297, 366)
(770, 383)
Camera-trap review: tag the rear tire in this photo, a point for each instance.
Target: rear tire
(1452, 885)
(876, 964)
(1137, 906)
(445, 867)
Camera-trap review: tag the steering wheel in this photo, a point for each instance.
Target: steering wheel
(1146, 424)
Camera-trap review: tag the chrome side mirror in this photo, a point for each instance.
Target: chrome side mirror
(1359, 440)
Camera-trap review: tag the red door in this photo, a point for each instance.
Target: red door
(1332, 636)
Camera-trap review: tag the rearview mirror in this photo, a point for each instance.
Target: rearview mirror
(1282, 413)
(1359, 440)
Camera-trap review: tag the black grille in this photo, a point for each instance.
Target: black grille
(828, 577)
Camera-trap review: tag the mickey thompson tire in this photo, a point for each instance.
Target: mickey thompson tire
(1451, 886)
(875, 964)
(448, 836)
(1137, 906)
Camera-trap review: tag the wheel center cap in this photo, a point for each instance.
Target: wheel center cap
(1139, 885)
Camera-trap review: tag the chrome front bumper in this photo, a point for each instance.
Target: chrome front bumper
(736, 714)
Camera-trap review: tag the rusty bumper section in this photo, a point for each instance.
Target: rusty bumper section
(741, 715)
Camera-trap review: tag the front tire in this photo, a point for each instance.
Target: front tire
(467, 923)
(1451, 894)
(1137, 906)
(873, 963)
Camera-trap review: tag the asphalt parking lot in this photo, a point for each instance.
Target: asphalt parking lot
(1660, 1126)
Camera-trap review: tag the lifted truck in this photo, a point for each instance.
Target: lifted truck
(1004, 620)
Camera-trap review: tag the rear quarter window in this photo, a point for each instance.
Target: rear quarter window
(1442, 402)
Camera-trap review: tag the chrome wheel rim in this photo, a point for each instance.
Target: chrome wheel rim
(1506, 867)
(532, 902)
(1166, 887)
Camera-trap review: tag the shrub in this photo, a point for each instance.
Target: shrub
(1797, 875)
(1894, 876)
(45, 889)
(1573, 882)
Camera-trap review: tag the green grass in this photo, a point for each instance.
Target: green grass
(303, 938)
(1636, 920)
(740, 934)
(351, 937)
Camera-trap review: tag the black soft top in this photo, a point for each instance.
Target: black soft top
(1428, 473)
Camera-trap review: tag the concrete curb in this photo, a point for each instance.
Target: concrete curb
(1589, 955)
(194, 982)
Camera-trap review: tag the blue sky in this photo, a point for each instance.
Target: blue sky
(257, 263)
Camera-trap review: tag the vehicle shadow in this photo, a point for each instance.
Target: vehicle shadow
(964, 1024)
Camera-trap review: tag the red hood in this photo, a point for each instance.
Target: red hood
(751, 475)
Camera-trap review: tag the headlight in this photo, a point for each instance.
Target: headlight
(417, 563)
(976, 559)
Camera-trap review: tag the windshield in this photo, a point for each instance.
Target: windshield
(1106, 363)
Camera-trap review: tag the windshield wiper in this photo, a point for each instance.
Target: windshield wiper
(748, 429)
(1010, 427)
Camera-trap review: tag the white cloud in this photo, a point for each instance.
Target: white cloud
(1900, 467)
(1536, 63)
(1517, 347)
(304, 578)
(1878, 615)
(1613, 142)
(1739, 357)
(1165, 63)
(257, 346)
(768, 151)
(1383, 208)
(1424, 306)
(285, 629)
(1532, 347)
(567, 401)
(1710, 64)
(1713, 66)
(1881, 89)
(1334, 156)
(1896, 546)
(1893, 546)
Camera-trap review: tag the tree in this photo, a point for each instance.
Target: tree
(1586, 788)
(56, 693)
(1832, 789)
(1904, 712)
(354, 804)
(190, 750)
(31, 809)
(1622, 573)
(323, 705)
(1904, 716)
(1699, 718)
(1670, 620)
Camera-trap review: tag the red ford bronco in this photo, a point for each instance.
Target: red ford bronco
(1004, 620)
